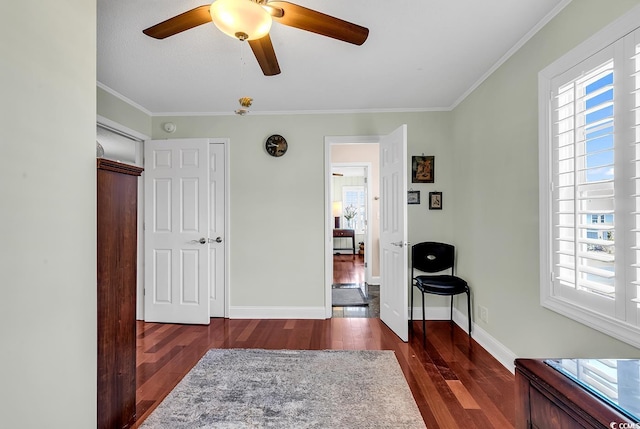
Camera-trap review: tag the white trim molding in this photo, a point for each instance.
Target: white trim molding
(254, 312)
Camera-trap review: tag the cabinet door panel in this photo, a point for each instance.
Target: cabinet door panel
(546, 414)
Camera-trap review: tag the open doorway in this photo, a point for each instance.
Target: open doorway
(354, 220)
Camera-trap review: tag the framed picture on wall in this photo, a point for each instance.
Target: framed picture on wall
(413, 197)
(422, 169)
(435, 200)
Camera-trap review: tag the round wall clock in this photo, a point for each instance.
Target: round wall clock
(276, 145)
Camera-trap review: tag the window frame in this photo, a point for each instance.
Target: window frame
(360, 189)
(577, 310)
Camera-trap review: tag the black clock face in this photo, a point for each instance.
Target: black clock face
(276, 145)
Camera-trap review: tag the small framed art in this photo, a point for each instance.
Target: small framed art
(435, 200)
(413, 197)
(422, 169)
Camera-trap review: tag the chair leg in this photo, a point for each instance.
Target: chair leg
(469, 311)
(424, 331)
(411, 309)
(451, 315)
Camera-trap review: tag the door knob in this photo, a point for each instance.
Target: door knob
(207, 240)
(397, 243)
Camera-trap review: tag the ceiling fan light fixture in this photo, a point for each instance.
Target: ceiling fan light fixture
(240, 19)
(245, 103)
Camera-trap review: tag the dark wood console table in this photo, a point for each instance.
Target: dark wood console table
(346, 233)
(547, 396)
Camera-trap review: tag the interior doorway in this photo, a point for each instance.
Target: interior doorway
(352, 293)
(354, 222)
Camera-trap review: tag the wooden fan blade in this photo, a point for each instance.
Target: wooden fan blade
(265, 54)
(192, 18)
(317, 22)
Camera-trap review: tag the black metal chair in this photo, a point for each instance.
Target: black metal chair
(432, 257)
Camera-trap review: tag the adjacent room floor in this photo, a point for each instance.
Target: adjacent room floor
(348, 273)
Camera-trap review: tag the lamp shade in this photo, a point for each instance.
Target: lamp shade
(241, 19)
(337, 208)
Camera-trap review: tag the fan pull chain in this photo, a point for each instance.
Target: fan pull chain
(241, 65)
(245, 102)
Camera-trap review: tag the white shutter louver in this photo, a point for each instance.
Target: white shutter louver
(584, 192)
(635, 125)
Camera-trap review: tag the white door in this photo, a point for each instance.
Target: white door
(177, 231)
(217, 201)
(393, 232)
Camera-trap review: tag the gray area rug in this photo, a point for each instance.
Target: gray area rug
(237, 388)
(347, 297)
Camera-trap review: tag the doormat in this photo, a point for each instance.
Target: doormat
(290, 389)
(348, 297)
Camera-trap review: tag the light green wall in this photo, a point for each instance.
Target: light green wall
(48, 214)
(496, 194)
(123, 113)
(277, 204)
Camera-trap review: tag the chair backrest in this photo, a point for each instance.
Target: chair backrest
(432, 257)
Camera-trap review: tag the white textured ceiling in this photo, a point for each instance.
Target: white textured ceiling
(420, 55)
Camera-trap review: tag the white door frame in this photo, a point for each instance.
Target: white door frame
(227, 219)
(328, 228)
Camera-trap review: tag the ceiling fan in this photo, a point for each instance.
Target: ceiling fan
(250, 20)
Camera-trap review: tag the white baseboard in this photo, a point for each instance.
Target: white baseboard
(501, 353)
(277, 313)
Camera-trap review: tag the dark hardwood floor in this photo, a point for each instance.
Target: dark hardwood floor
(348, 269)
(454, 381)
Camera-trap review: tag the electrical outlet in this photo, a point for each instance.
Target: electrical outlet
(484, 314)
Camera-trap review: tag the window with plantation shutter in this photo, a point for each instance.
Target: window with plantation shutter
(590, 183)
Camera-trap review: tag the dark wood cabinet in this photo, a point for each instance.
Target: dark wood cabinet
(546, 398)
(117, 196)
(346, 233)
